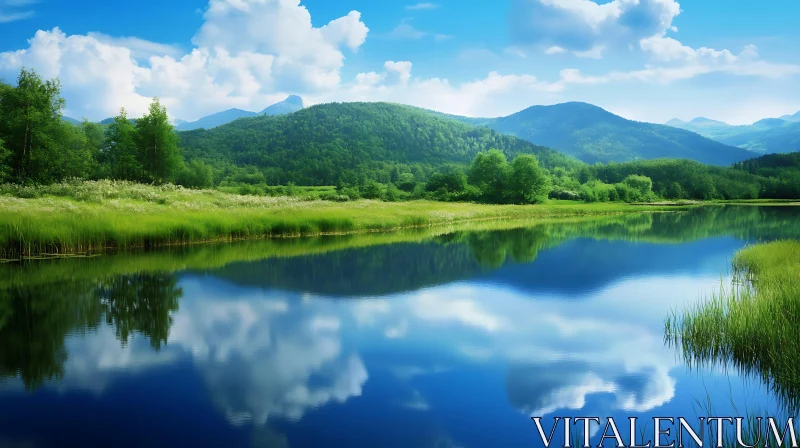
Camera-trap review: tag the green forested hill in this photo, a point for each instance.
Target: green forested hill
(322, 144)
(782, 173)
(593, 134)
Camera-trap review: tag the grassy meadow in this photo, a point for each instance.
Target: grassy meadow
(752, 325)
(99, 216)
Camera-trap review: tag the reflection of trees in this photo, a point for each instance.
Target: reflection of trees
(393, 268)
(491, 249)
(140, 303)
(34, 321)
(33, 324)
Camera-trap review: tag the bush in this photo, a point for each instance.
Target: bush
(371, 190)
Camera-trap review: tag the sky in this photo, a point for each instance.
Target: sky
(647, 60)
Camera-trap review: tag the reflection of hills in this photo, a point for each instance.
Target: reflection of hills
(570, 257)
(359, 272)
(583, 265)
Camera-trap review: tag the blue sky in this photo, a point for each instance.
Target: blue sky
(649, 60)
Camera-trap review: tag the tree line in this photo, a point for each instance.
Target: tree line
(38, 147)
(367, 150)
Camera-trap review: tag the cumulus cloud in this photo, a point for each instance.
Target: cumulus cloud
(248, 52)
(606, 352)
(251, 53)
(259, 355)
(495, 94)
(581, 25)
(98, 77)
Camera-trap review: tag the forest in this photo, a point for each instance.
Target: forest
(366, 150)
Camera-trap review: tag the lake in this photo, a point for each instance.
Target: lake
(427, 338)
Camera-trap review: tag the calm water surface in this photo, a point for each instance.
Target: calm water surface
(448, 339)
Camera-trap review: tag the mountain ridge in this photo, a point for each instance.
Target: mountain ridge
(318, 144)
(765, 136)
(593, 134)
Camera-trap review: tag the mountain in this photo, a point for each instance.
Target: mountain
(769, 123)
(70, 120)
(593, 134)
(777, 139)
(291, 104)
(214, 120)
(792, 118)
(316, 145)
(704, 122)
(769, 135)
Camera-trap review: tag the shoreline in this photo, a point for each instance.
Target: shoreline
(100, 218)
(276, 227)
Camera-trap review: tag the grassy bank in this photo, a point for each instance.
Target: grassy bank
(95, 217)
(753, 325)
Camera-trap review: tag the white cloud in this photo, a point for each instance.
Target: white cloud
(398, 331)
(98, 78)
(402, 69)
(140, 48)
(555, 49)
(580, 25)
(406, 31)
(249, 53)
(14, 10)
(464, 311)
(496, 94)
(419, 6)
(595, 52)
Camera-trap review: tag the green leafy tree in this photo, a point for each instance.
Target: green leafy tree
(642, 186)
(120, 151)
(196, 174)
(489, 172)
(78, 150)
(371, 190)
(449, 178)
(406, 181)
(5, 168)
(157, 144)
(527, 182)
(30, 122)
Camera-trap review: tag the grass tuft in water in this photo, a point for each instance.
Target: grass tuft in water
(752, 325)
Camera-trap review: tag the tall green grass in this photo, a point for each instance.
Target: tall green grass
(95, 217)
(752, 325)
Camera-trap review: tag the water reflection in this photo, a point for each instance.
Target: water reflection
(446, 339)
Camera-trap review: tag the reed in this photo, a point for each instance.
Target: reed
(90, 217)
(752, 325)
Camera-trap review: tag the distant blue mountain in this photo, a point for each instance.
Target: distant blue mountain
(792, 118)
(768, 135)
(291, 104)
(214, 120)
